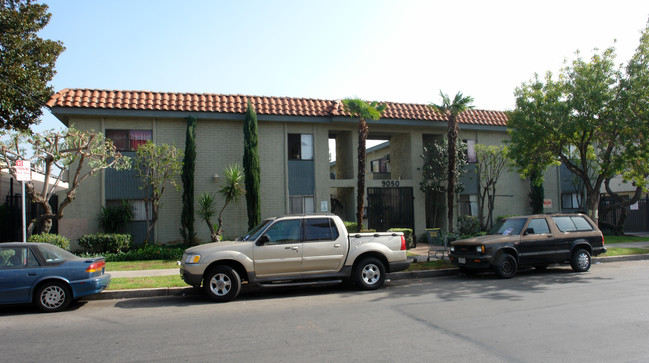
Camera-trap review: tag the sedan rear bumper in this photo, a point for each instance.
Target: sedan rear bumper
(90, 286)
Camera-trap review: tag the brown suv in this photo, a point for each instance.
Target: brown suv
(535, 240)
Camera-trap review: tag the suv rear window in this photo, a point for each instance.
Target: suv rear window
(572, 224)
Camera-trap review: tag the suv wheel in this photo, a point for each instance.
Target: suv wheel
(222, 283)
(505, 266)
(580, 260)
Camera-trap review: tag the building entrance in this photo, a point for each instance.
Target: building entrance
(390, 208)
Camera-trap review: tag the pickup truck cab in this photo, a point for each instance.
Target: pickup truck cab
(294, 250)
(535, 240)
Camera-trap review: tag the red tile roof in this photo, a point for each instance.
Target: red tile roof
(285, 106)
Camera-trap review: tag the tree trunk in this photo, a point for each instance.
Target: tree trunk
(452, 153)
(592, 204)
(360, 193)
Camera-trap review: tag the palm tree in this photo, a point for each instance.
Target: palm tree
(362, 110)
(452, 110)
(206, 205)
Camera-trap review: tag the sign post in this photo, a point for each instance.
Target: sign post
(23, 174)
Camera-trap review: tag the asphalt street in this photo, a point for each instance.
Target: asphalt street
(557, 315)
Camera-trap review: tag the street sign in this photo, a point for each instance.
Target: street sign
(23, 170)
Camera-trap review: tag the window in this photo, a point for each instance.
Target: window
(539, 226)
(300, 147)
(320, 229)
(570, 201)
(572, 224)
(469, 204)
(287, 231)
(129, 140)
(381, 165)
(301, 204)
(17, 257)
(139, 212)
(471, 156)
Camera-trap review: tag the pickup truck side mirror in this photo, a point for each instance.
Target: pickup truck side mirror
(529, 230)
(263, 240)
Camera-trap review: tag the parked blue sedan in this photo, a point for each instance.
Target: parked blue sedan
(47, 276)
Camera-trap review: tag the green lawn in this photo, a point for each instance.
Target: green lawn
(624, 239)
(140, 265)
(621, 251)
(128, 283)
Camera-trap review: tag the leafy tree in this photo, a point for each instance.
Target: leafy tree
(78, 154)
(491, 161)
(251, 167)
(435, 171)
(26, 64)
(156, 166)
(452, 109)
(592, 118)
(363, 110)
(187, 177)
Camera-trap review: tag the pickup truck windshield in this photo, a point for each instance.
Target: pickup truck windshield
(255, 232)
(509, 227)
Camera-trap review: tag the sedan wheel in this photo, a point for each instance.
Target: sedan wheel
(53, 296)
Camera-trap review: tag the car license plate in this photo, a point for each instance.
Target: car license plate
(461, 260)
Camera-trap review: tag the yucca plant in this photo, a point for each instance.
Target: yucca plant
(206, 210)
(232, 190)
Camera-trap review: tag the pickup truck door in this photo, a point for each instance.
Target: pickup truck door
(325, 248)
(281, 254)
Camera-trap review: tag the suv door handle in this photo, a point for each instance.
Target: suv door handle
(295, 248)
(336, 245)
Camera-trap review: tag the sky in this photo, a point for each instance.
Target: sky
(399, 51)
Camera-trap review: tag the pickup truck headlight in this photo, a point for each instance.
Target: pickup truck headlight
(192, 258)
(452, 248)
(479, 249)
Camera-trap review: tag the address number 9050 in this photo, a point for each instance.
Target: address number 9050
(389, 183)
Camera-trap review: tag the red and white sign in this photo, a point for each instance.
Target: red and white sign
(547, 203)
(23, 170)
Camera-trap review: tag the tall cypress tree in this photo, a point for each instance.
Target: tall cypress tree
(189, 165)
(251, 166)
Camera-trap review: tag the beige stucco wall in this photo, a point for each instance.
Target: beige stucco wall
(220, 143)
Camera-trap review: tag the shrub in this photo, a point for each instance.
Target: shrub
(113, 219)
(144, 252)
(407, 233)
(468, 226)
(105, 243)
(51, 238)
(351, 228)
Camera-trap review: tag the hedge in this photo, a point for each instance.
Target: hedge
(407, 233)
(106, 242)
(51, 238)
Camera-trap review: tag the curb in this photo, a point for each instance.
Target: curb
(185, 291)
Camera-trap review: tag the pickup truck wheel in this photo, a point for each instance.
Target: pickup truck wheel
(222, 284)
(505, 266)
(580, 260)
(369, 274)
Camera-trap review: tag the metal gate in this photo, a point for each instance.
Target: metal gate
(637, 219)
(390, 208)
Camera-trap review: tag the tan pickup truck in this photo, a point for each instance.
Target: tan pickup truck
(294, 250)
(536, 240)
